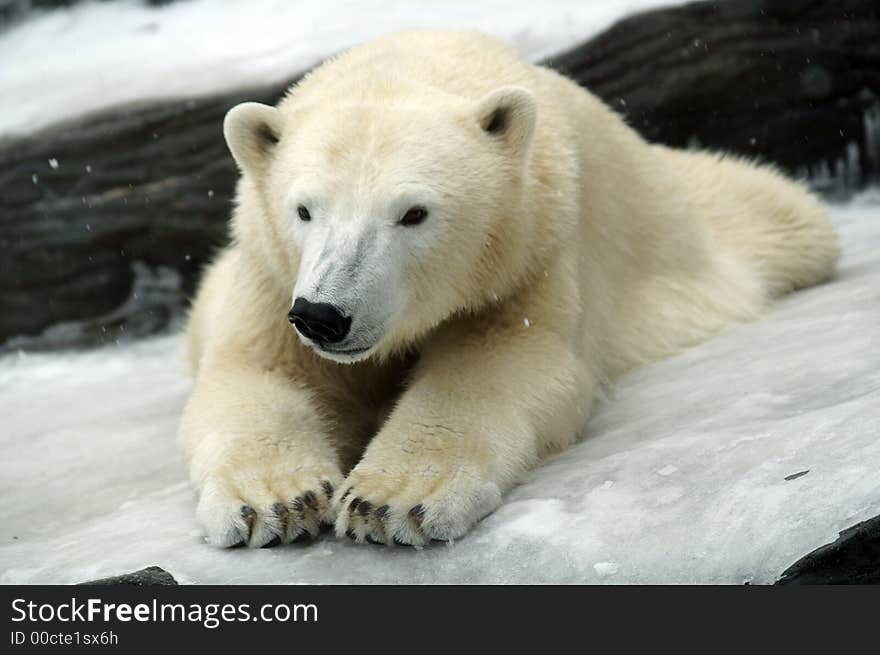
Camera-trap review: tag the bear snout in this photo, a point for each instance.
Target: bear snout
(321, 322)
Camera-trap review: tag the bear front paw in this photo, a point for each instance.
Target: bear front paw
(414, 507)
(256, 510)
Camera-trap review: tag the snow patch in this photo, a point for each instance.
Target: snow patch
(106, 54)
(606, 569)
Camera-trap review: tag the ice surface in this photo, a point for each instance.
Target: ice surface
(94, 55)
(681, 477)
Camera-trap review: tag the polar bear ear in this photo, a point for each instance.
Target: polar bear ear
(252, 130)
(508, 114)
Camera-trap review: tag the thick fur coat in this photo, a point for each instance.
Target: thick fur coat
(493, 245)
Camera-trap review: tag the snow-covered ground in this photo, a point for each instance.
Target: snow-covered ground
(681, 477)
(95, 55)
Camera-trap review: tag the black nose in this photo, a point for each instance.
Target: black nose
(319, 321)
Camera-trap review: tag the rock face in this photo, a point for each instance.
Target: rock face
(152, 575)
(792, 82)
(86, 206)
(854, 558)
(105, 221)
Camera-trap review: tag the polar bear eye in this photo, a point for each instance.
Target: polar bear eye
(414, 216)
(303, 213)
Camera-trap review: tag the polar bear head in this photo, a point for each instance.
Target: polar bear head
(387, 218)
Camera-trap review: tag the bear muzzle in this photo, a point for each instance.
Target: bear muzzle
(320, 322)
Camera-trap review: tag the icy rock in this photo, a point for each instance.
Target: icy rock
(152, 575)
(854, 558)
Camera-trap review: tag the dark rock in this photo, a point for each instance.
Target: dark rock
(794, 82)
(152, 575)
(12, 11)
(137, 190)
(106, 220)
(854, 558)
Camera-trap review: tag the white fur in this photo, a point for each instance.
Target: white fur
(559, 251)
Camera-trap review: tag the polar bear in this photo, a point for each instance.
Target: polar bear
(469, 248)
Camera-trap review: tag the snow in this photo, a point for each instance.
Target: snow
(687, 473)
(96, 55)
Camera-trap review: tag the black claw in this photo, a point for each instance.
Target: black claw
(328, 488)
(298, 505)
(354, 504)
(350, 534)
(249, 515)
(310, 499)
(280, 510)
(381, 512)
(275, 542)
(417, 512)
(365, 507)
